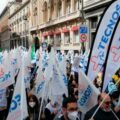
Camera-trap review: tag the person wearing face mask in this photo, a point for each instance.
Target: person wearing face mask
(70, 110)
(33, 107)
(104, 112)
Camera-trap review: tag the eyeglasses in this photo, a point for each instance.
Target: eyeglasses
(107, 102)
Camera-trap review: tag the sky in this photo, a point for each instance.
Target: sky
(3, 3)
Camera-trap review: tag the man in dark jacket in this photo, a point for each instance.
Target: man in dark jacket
(104, 112)
(70, 110)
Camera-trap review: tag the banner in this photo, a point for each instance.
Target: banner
(6, 74)
(56, 80)
(113, 60)
(75, 66)
(3, 98)
(40, 81)
(103, 37)
(88, 93)
(18, 107)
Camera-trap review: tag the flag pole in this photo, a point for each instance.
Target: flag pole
(102, 102)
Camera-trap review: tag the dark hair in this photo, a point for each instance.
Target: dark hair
(34, 99)
(68, 100)
(49, 48)
(99, 97)
(115, 95)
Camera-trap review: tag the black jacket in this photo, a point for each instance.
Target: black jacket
(100, 115)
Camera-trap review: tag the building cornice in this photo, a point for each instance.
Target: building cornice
(21, 7)
(95, 5)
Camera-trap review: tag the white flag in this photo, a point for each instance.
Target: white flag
(103, 38)
(18, 108)
(40, 81)
(6, 75)
(113, 61)
(88, 93)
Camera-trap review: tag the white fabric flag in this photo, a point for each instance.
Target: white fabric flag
(18, 108)
(6, 74)
(3, 99)
(103, 38)
(113, 61)
(27, 63)
(55, 79)
(75, 66)
(88, 93)
(58, 86)
(40, 81)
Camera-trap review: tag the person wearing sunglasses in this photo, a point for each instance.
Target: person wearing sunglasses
(104, 112)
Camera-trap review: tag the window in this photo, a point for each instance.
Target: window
(68, 6)
(51, 39)
(27, 43)
(51, 9)
(67, 38)
(93, 22)
(45, 12)
(59, 8)
(76, 36)
(58, 40)
(45, 39)
(76, 5)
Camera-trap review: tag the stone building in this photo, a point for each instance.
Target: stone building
(19, 23)
(4, 29)
(57, 22)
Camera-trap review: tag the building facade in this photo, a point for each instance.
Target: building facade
(4, 29)
(93, 9)
(19, 23)
(57, 22)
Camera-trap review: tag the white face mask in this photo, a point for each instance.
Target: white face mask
(73, 115)
(31, 104)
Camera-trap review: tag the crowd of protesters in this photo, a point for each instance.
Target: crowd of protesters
(107, 103)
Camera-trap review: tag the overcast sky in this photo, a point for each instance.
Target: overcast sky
(3, 3)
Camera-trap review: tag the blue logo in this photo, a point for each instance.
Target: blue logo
(15, 103)
(85, 96)
(83, 30)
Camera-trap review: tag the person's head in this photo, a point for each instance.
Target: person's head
(32, 101)
(54, 104)
(106, 105)
(70, 109)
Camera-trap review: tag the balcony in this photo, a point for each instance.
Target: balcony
(58, 20)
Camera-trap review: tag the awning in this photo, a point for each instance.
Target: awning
(50, 33)
(74, 28)
(57, 32)
(64, 30)
(45, 34)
